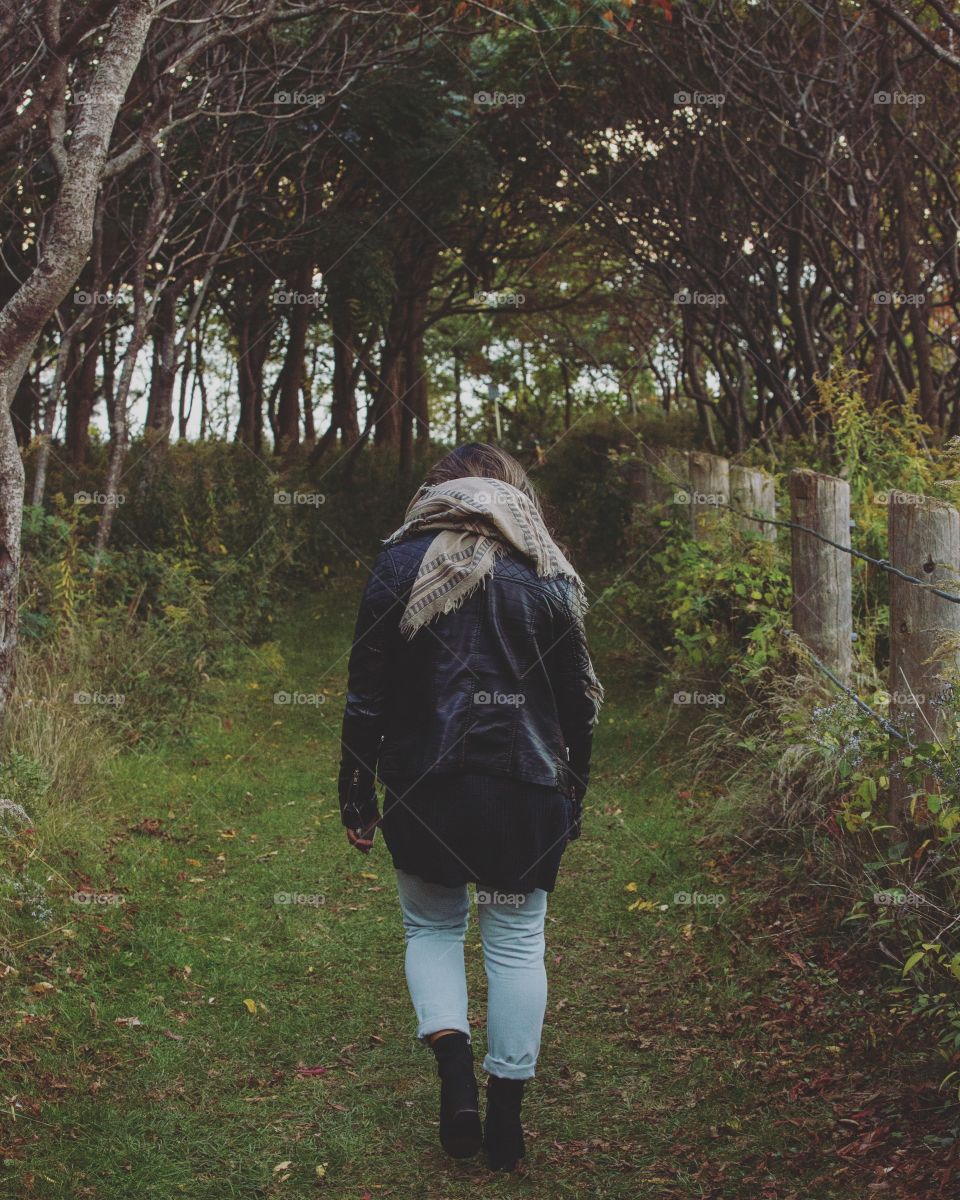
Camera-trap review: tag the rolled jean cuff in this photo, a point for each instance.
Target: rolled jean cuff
(504, 1070)
(435, 1024)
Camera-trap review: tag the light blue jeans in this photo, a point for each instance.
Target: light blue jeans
(435, 922)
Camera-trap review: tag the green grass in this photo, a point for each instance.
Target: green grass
(672, 1064)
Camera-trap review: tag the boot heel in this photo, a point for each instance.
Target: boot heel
(503, 1133)
(461, 1133)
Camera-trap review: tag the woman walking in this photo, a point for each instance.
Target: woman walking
(471, 694)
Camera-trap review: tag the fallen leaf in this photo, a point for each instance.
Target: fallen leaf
(151, 826)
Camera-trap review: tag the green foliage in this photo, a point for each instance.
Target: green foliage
(899, 874)
(817, 789)
(187, 585)
(874, 449)
(724, 601)
(584, 490)
(713, 608)
(358, 504)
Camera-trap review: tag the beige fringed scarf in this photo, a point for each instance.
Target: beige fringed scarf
(475, 519)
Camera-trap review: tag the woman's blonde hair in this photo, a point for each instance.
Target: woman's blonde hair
(485, 461)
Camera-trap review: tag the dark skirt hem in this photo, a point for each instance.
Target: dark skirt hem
(495, 832)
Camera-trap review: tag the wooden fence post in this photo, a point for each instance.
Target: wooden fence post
(656, 474)
(752, 491)
(635, 476)
(667, 470)
(821, 608)
(641, 478)
(709, 491)
(924, 541)
(674, 466)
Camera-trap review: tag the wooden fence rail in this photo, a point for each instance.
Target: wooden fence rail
(924, 543)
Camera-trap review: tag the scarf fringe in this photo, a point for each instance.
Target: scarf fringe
(410, 627)
(479, 508)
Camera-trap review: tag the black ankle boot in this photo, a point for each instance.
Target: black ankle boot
(460, 1132)
(502, 1132)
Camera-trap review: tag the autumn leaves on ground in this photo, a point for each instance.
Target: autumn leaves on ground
(208, 998)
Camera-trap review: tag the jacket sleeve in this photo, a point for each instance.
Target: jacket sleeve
(576, 688)
(363, 716)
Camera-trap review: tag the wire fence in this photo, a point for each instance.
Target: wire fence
(761, 519)
(883, 563)
(861, 704)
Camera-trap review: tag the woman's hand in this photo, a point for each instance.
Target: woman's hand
(362, 838)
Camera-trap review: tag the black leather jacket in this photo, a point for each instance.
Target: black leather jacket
(497, 686)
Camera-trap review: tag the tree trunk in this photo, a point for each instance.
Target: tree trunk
(309, 426)
(272, 412)
(292, 371)
(253, 347)
(143, 315)
(164, 373)
(691, 367)
(25, 410)
(402, 400)
(389, 387)
(415, 418)
(120, 431)
(343, 414)
(202, 388)
(66, 362)
(915, 300)
(183, 408)
(81, 395)
(419, 393)
(405, 376)
(64, 249)
(457, 399)
(567, 394)
(11, 516)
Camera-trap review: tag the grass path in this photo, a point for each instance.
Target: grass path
(204, 1039)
